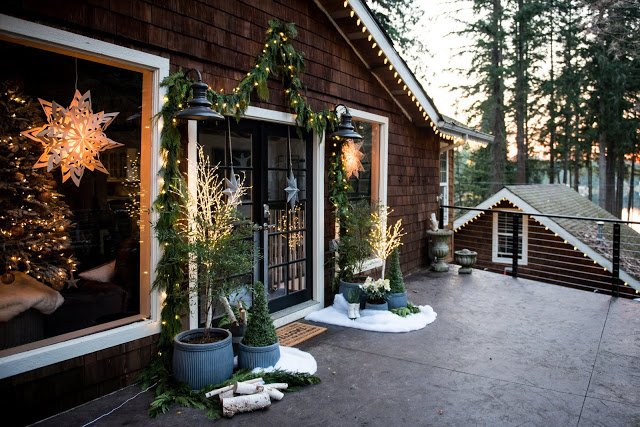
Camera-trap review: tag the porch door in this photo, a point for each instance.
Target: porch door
(262, 155)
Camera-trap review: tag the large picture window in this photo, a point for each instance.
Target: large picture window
(78, 252)
(444, 184)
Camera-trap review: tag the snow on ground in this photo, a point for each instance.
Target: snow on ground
(373, 320)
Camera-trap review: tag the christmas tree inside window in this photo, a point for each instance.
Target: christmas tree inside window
(70, 227)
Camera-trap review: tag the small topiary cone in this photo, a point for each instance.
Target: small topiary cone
(396, 282)
(260, 330)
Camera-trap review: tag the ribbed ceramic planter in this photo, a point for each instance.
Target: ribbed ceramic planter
(397, 300)
(345, 287)
(381, 307)
(258, 357)
(237, 333)
(202, 364)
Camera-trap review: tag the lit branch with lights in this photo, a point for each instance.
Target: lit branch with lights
(385, 239)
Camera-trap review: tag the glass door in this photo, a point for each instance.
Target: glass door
(264, 154)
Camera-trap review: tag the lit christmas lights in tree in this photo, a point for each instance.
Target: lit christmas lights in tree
(33, 223)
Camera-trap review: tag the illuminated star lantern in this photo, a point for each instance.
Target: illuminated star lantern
(232, 186)
(292, 189)
(351, 157)
(73, 137)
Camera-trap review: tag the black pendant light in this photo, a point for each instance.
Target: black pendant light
(199, 107)
(345, 128)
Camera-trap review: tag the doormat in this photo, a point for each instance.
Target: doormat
(296, 332)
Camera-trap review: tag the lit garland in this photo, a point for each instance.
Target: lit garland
(278, 58)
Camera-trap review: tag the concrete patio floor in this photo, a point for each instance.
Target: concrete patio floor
(502, 351)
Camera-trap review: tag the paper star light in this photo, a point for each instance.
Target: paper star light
(292, 189)
(232, 186)
(73, 137)
(351, 157)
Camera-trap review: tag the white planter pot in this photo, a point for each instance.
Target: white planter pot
(353, 311)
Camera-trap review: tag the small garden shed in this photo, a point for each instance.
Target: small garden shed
(563, 251)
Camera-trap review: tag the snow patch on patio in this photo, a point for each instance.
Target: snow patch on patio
(373, 320)
(292, 360)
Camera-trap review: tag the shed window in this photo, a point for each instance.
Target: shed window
(444, 184)
(503, 238)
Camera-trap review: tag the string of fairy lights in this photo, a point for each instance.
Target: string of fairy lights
(513, 206)
(400, 83)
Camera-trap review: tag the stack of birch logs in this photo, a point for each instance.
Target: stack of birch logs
(247, 396)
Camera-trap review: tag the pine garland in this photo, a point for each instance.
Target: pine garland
(278, 58)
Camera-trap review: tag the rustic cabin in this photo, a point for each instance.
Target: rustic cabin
(94, 331)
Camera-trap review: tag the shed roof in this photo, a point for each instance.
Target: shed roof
(558, 199)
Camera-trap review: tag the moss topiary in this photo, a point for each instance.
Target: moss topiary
(395, 274)
(260, 330)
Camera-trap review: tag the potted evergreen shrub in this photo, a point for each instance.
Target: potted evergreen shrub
(219, 243)
(398, 296)
(260, 346)
(354, 247)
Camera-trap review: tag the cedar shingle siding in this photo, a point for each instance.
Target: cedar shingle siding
(222, 38)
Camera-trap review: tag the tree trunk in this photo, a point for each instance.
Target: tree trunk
(576, 169)
(610, 195)
(631, 188)
(602, 160)
(497, 92)
(620, 186)
(520, 97)
(589, 174)
(552, 109)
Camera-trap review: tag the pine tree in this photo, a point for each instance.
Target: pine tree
(396, 282)
(260, 330)
(33, 225)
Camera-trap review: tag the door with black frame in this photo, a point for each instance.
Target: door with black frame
(263, 154)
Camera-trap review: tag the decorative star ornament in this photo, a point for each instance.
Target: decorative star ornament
(232, 185)
(292, 189)
(72, 282)
(73, 137)
(351, 157)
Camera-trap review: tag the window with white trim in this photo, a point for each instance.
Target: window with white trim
(103, 221)
(502, 247)
(444, 184)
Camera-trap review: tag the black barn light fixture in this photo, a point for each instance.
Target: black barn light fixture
(345, 128)
(199, 107)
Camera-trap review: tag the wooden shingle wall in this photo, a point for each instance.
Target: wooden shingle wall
(221, 38)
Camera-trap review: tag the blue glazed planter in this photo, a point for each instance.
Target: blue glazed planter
(345, 287)
(202, 364)
(258, 357)
(397, 300)
(381, 307)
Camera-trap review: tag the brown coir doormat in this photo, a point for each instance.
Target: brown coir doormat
(296, 332)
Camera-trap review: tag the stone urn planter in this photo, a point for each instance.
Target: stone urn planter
(466, 259)
(440, 248)
(202, 364)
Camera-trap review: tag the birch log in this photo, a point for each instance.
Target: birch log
(279, 386)
(230, 387)
(227, 307)
(246, 403)
(274, 393)
(225, 395)
(246, 388)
